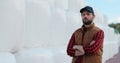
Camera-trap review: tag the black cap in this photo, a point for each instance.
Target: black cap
(88, 8)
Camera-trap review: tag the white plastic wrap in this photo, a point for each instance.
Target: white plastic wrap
(76, 5)
(11, 25)
(57, 28)
(62, 4)
(36, 24)
(6, 57)
(35, 55)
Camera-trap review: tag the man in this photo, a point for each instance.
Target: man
(86, 43)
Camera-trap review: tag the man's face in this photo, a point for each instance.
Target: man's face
(87, 17)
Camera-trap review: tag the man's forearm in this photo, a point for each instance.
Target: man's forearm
(96, 45)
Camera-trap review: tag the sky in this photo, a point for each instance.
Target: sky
(110, 8)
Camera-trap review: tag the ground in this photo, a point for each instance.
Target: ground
(115, 58)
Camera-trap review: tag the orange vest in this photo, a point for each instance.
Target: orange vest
(84, 40)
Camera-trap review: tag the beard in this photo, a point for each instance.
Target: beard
(87, 22)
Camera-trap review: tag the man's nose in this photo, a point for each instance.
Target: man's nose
(85, 15)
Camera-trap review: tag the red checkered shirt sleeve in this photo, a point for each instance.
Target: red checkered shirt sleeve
(70, 50)
(99, 37)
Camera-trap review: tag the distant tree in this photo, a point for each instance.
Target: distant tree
(116, 27)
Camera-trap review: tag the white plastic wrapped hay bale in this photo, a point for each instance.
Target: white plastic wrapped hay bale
(35, 55)
(6, 57)
(36, 24)
(11, 25)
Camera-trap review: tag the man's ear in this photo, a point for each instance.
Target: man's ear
(93, 16)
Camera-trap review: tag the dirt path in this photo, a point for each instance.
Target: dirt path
(115, 59)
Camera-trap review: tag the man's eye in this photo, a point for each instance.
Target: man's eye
(83, 14)
(88, 14)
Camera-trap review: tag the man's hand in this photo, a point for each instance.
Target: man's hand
(79, 50)
(78, 53)
(78, 47)
(92, 42)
